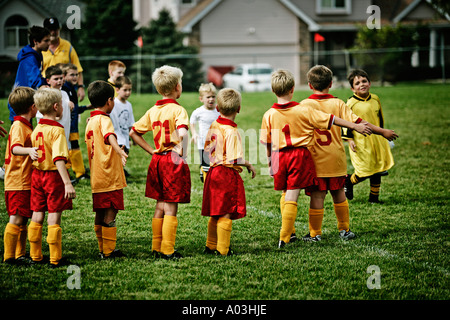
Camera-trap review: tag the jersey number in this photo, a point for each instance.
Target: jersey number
(41, 146)
(287, 134)
(325, 133)
(90, 135)
(157, 137)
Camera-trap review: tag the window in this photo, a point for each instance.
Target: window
(16, 32)
(333, 6)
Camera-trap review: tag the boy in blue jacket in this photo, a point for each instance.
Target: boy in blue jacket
(30, 62)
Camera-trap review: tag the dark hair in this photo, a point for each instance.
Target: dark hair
(36, 33)
(320, 77)
(52, 70)
(99, 92)
(357, 73)
(122, 80)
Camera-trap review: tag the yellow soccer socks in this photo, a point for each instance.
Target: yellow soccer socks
(287, 220)
(315, 221)
(169, 234)
(282, 203)
(35, 240)
(157, 224)
(99, 235)
(342, 215)
(211, 238)
(109, 237)
(76, 158)
(10, 239)
(54, 240)
(22, 242)
(224, 226)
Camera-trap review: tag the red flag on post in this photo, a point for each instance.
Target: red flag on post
(318, 38)
(140, 43)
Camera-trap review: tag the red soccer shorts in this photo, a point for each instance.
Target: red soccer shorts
(47, 192)
(110, 199)
(325, 184)
(18, 202)
(293, 168)
(168, 179)
(223, 193)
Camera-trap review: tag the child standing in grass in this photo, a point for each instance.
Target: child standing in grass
(370, 157)
(329, 155)
(18, 158)
(224, 193)
(287, 130)
(106, 160)
(168, 178)
(204, 116)
(51, 189)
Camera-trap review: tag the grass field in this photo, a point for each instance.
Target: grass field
(407, 237)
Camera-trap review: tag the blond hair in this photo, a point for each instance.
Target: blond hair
(166, 79)
(45, 99)
(282, 82)
(21, 99)
(206, 88)
(320, 77)
(228, 101)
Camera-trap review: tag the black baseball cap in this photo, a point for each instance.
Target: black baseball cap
(51, 23)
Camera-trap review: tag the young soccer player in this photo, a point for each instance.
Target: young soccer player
(51, 189)
(204, 116)
(122, 115)
(18, 158)
(371, 157)
(329, 155)
(224, 193)
(168, 178)
(106, 161)
(287, 130)
(116, 69)
(70, 72)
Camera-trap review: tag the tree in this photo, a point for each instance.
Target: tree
(162, 38)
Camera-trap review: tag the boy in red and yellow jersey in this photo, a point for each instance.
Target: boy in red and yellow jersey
(329, 155)
(168, 178)
(106, 161)
(223, 193)
(287, 130)
(51, 189)
(18, 158)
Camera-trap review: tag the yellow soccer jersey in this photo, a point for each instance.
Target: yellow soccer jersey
(18, 168)
(50, 139)
(328, 150)
(163, 119)
(373, 152)
(223, 143)
(292, 125)
(106, 165)
(64, 53)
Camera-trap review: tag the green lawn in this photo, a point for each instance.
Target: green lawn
(407, 237)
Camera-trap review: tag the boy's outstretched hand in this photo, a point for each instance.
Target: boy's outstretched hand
(390, 134)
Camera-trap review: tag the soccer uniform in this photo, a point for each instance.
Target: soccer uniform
(123, 119)
(289, 128)
(47, 187)
(224, 192)
(17, 187)
(168, 177)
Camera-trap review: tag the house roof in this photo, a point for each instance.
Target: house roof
(413, 6)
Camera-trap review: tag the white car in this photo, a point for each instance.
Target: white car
(249, 77)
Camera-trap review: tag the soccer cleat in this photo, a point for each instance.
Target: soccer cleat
(61, 263)
(155, 254)
(281, 244)
(348, 188)
(115, 254)
(346, 235)
(174, 256)
(209, 251)
(308, 238)
(293, 238)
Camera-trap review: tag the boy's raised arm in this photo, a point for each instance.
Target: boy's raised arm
(22, 151)
(361, 127)
(140, 141)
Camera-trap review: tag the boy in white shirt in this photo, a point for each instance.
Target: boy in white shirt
(122, 115)
(204, 116)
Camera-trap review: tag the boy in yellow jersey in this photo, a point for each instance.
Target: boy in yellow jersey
(370, 157)
(224, 193)
(287, 130)
(329, 155)
(51, 189)
(168, 178)
(106, 161)
(18, 158)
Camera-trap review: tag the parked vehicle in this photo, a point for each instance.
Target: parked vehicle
(249, 77)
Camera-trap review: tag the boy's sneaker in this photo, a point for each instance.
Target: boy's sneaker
(346, 235)
(308, 238)
(174, 256)
(348, 188)
(115, 254)
(281, 244)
